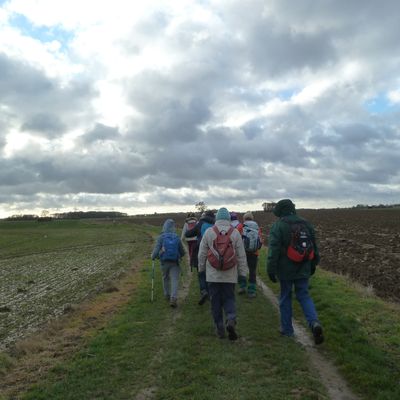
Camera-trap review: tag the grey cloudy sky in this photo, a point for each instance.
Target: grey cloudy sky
(154, 107)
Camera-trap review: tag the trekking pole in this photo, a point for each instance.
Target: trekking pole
(152, 281)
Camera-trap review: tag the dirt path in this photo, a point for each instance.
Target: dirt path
(336, 386)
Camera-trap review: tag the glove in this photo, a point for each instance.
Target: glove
(272, 277)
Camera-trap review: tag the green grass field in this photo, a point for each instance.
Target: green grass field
(149, 350)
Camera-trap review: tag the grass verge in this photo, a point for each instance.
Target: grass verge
(152, 351)
(362, 333)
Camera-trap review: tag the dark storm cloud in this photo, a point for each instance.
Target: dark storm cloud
(46, 124)
(101, 132)
(43, 105)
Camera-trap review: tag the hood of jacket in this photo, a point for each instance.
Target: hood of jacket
(284, 208)
(208, 218)
(169, 226)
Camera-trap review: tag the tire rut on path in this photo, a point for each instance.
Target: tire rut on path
(336, 386)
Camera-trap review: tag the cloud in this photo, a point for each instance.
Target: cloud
(162, 105)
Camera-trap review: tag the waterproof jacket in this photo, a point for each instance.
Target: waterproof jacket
(230, 275)
(185, 228)
(168, 227)
(196, 230)
(278, 262)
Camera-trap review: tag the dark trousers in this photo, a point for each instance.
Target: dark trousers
(252, 264)
(222, 298)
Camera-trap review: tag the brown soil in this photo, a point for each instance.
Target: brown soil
(362, 244)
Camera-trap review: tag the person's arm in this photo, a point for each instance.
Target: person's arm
(240, 254)
(156, 251)
(274, 249)
(203, 251)
(184, 229)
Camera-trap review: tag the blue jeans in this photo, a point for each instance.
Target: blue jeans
(222, 298)
(170, 274)
(285, 304)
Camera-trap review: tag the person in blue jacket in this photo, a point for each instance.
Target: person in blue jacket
(169, 249)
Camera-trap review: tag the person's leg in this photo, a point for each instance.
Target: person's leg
(229, 305)
(308, 307)
(216, 306)
(242, 281)
(285, 307)
(174, 272)
(165, 279)
(252, 264)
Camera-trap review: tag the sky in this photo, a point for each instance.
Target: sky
(153, 106)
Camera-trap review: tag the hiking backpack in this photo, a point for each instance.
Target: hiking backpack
(191, 224)
(170, 247)
(251, 238)
(301, 247)
(222, 255)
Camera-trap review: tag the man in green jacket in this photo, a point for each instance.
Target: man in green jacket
(280, 266)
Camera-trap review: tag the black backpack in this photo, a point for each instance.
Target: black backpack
(301, 246)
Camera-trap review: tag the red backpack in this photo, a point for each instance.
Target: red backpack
(301, 247)
(222, 255)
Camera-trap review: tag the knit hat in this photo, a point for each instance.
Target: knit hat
(223, 213)
(284, 207)
(248, 216)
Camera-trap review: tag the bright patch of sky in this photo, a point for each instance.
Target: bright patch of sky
(41, 33)
(380, 104)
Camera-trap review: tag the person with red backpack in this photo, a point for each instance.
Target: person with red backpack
(252, 240)
(292, 258)
(221, 256)
(190, 223)
(169, 250)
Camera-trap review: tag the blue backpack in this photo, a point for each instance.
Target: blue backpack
(204, 227)
(170, 247)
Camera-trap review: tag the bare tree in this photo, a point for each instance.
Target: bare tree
(201, 206)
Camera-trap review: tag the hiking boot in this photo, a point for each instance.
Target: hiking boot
(316, 330)
(173, 303)
(220, 331)
(285, 334)
(203, 298)
(242, 290)
(230, 327)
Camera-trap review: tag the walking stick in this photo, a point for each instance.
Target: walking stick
(152, 282)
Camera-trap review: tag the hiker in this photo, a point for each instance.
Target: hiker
(222, 272)
(169, 250)
(293, 266)
(252, 240)
(190, 223)
(234, 219)
(206, 221)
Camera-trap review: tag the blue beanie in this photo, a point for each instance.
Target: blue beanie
(223, 213)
